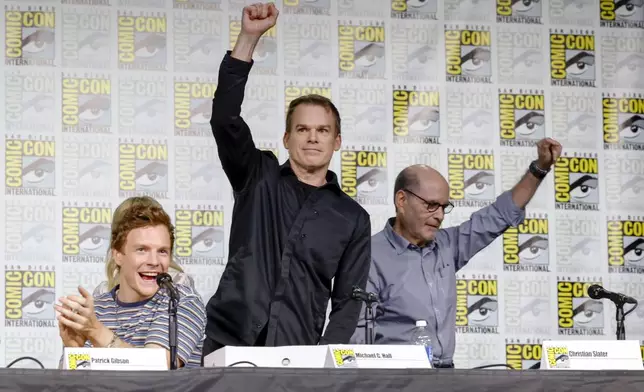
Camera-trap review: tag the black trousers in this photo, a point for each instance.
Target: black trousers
(210, 345)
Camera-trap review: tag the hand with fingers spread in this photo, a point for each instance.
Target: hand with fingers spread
(76, 318)
(549, 150)
(258, 18)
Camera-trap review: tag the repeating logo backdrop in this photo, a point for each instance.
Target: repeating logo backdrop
(106, 99)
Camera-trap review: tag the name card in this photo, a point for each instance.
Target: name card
(83, 358)
(365, 356)
(281, 356)
(591, 355)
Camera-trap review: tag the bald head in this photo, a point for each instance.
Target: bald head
(416, 177)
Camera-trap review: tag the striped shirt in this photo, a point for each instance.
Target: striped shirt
(146, 322)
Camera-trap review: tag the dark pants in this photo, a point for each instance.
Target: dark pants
(444, 366)
(210, 345)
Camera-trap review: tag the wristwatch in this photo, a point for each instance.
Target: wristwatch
(537, 171)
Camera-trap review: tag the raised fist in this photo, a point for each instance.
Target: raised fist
(258, 19)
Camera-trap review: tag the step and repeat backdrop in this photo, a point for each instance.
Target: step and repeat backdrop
(107, 99)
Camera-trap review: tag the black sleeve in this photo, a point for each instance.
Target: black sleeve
(240, 158)
(352, 271)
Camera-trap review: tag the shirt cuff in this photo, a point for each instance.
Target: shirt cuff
(236, 66)
(511, 213)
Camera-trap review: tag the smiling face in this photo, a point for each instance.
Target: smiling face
(312, 137)
(145, 254)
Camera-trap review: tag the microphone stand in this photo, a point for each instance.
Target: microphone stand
(619, 317)
(369, 299)
(172, 326)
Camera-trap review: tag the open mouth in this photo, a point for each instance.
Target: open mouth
(148, 276)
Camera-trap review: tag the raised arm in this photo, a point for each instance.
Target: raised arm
(486, 224)
(240, 158)
(353, 270)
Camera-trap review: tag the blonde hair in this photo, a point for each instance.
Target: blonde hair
(134, 213)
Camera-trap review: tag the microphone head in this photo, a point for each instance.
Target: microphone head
(164, 278)
(595, 291)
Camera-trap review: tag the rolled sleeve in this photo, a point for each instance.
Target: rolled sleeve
(191, 324)
(509, 211)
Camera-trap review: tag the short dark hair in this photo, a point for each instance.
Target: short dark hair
(312, 99)
(406, 179)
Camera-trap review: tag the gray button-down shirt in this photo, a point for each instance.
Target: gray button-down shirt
(415, 283)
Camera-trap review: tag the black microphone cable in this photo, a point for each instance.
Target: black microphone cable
(26, 358)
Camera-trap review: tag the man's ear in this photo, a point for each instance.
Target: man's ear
(338, 142)
(285, 139)
(118, 257)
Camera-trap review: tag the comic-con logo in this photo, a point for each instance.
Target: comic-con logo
(199, 235)
(577, 313)
(86, 36)
(477, 306)
(414, 9)
(572, 59)
(527, 305)
(525, 247)
(623, 122)
(622, 62)
(265, 54)
(471, 177)
(416, 115)
(523, 355)
(193, 107)
(142, 41)
(30, 230)
(30, 294)
(625, 245)
(29, 101)
(196, 172)
(519, 11)
(308, 7)
(142, 105)
(573, 117)
(345, 358)
(361, 50)
(469, 116)
(195, 37)
(30, 36)
(578, 242)
(468, 54)
(143, 169)
(621, 13)
(87, 104)
(87, 166)
(577, 183)
(30, 166)
(86, 233)
(624, 174)
(307, 48)
(210, 5)
(293, 90)
(364, 174)
(521, 117)
(364, 111)
(558, 357)
(79, 361)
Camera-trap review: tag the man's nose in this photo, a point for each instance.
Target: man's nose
(313, 136)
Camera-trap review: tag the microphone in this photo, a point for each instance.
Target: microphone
(598, 292)
(164, 280)
(361, 295)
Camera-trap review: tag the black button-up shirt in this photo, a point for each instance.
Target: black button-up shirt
(288, 240)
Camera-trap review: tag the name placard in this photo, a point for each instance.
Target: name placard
(365, 356)
(84, 358)
(591, 355)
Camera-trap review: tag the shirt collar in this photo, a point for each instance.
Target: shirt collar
(331, 177)
(399, 242)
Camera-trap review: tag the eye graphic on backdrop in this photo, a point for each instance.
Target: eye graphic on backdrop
(477, 122)
(632, 128)
(202, 113)
(633, 188)
(149, 110)
(583, 187)
(38, 41)
(535, 308)
(580, 125)
(475, 60)
(203, 47)
(479, 183)
(38, 302)
(527, 59)
(94, 171)
(204, 175)
(371, 180)
(529, 123)
(93, 42)
(149, 46)
(209, 241)
(38, 237)
(587, 311)
(582, 249)
(533, 248)
(482, 309)
(421, 56)
(371, 116)
(95, 241)
(39, 105)
(369, 55)
(417, 3)
(93, 109)
(631, 68)
(38, 171)
(523, 5)
(580, 63)
(315, 51)
(634, 252)
(424, 119)
(151, 174)
(626, 8)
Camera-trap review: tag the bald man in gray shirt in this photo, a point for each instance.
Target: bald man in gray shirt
(414, 261)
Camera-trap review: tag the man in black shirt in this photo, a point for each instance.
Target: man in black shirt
(293, 228)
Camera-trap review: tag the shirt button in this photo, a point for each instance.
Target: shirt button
(258, 326)
(303, 236)
(315, 212)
